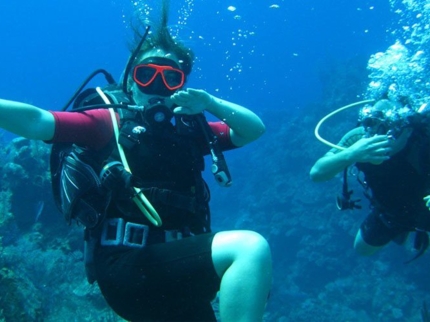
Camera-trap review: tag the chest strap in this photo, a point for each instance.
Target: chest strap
(171, 198)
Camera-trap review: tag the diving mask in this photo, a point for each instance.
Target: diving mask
(158, 76)
(390, 121)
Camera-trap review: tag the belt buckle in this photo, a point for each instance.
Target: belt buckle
(112, 233)
(172, 235)
(135, 235)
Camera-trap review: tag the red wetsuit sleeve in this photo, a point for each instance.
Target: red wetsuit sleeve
(222, 131)
(92, 129)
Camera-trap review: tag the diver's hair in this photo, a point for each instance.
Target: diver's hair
(162, 39)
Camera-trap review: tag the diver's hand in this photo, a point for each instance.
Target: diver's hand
(191, 101)
(427, 200)
(375, 150)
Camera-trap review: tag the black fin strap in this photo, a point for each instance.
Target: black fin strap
(421, 243)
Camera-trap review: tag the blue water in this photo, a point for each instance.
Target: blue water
(269, 58)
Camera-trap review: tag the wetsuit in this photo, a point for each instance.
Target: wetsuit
(397, 188)
(164, 280)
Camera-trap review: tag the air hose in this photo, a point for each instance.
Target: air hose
(325, 118)
(139, 199)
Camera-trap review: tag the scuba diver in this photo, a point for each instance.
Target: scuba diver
(127, 165)
(391, 148)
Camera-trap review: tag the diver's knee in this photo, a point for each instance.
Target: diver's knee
(243, 245)
(254, 244)
(239, 241)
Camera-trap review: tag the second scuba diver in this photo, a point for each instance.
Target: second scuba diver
(391, 147)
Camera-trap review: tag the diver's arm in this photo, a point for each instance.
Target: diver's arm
(330, 165)
(245, 126)
(374, 150)
(26, 120)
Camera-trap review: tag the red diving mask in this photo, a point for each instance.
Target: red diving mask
(159, 76)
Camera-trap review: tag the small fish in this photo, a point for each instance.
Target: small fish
(39, 209)
(274, 6)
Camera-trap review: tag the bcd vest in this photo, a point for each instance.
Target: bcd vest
(399, 185)
(166, 162)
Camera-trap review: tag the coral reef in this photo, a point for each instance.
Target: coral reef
(41, 258)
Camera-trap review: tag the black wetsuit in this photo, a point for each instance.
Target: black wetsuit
(398, 187)
(168, 279)
(163, 281)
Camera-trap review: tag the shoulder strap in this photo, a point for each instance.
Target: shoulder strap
(219, 165)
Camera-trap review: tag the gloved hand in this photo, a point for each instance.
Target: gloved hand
(191, 101)
(427, 200)
(114, 177)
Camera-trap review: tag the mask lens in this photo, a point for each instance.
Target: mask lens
(371, 122)
(173, 78)
(375, 126)
(144, 74)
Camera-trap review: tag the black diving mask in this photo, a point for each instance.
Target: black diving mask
(390, 122)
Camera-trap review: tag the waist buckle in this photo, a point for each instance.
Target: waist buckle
(117, 232)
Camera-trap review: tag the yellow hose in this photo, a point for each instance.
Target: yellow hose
(139, 199)
(325, 118)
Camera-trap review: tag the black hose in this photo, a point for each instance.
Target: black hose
(100, 106)
(108, 77)
(131, 60)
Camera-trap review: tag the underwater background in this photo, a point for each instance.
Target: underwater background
(292, 62)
